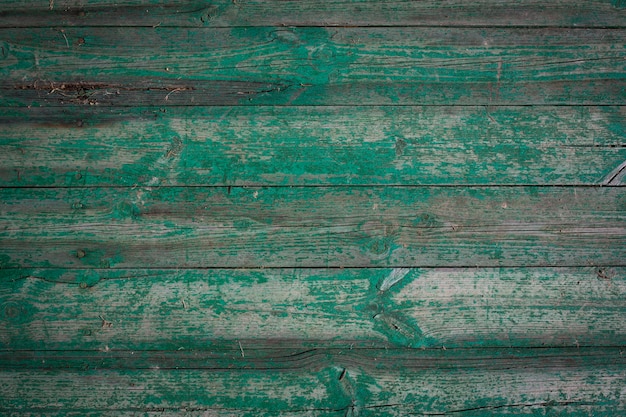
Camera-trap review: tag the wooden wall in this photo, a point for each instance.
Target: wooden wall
(312, 208)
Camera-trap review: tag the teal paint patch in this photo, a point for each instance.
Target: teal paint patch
(7, 262)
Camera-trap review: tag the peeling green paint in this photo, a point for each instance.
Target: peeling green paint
(320, 208)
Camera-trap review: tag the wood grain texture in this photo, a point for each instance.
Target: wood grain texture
(312, 66)
(226, 13)
(58, 309)
(234, 146)
(312, 227)
(312, 208)
(353, 383)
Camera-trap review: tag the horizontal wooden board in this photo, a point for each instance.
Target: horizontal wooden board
(225, 13)
(349, 383)
(233, 146)
(286, 359)
(312, 227)
(57, 309)
(311, 66)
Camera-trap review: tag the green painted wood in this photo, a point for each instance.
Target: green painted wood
(60, 309)
(278, 358)
(428, 247)
(226, 13)
(312, 227)
(311, 146)
(574, 382)
(311, 66)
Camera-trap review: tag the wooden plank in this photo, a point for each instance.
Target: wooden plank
(349, 383)
(312, 66)
(52, 309)
(312, 227)
(311, 146)
(226, 13)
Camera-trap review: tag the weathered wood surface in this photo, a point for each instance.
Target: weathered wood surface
(320, 208)
(179, 227)
(229, 13)
(91, 310)
(572, 382)
(232, 146)
(312, 66)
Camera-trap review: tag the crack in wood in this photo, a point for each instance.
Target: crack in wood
(551, 403)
